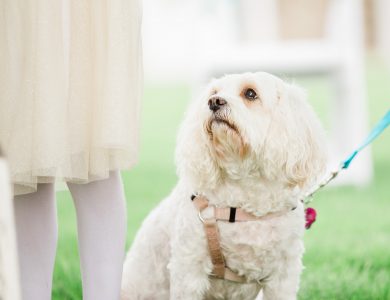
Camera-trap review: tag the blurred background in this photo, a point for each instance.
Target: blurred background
(339, 51)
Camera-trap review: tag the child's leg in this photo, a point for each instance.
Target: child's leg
(101, 220)
(36, 228)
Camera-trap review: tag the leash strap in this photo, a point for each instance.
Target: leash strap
(375, 132)
(378, 129)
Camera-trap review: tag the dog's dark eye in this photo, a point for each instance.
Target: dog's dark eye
(250, 94)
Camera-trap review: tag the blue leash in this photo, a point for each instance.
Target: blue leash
(378, 129)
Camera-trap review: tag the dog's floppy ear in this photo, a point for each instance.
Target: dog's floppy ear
(307, 161)
(296, 138)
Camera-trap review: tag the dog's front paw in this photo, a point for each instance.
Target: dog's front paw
(188, 281)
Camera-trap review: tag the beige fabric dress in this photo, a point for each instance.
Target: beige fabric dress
(9, 274)
(70, 88)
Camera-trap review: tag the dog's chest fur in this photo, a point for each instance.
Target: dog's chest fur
(256, 249)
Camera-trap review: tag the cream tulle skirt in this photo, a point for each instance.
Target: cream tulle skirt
(70, 88)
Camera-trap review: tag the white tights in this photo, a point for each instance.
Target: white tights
(101, 222)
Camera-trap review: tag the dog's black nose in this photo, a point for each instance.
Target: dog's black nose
(216, 103)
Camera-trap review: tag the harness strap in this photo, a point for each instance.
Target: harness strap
(233, 276)
(214, 245)
(230, 214)
(233, 214)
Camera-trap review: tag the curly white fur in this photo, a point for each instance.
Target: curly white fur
(263, 159)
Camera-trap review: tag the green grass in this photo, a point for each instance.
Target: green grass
(347, 250)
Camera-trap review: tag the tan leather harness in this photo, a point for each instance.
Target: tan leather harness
(226, 214)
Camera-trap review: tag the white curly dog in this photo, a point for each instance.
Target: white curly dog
(252, 142)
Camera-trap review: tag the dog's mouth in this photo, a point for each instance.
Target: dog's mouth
(225, 137)
(219, 121)
(226, 123)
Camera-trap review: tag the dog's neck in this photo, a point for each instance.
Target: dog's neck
(237, 183)
(254, 194)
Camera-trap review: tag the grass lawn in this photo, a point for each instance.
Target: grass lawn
(347, 249)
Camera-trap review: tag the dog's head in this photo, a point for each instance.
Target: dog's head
(251, 125)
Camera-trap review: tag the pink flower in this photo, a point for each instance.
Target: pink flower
(311, 215)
